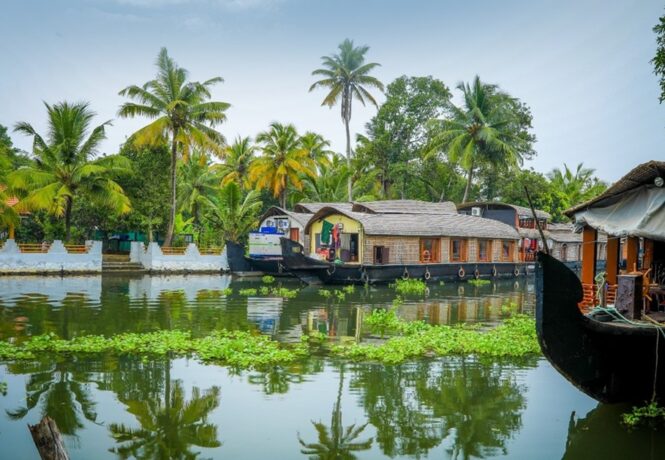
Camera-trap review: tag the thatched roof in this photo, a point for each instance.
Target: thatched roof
(522, 211)
(640, 175)
(315, 207)
(435, 225)
(300, 217)
(404, 207)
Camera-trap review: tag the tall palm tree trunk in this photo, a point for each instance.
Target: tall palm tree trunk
(469, 180)
(349, 184)
(174, 159)
(68, 219)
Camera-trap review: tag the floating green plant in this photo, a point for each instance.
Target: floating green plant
(383, 320)
(479, 282)
(267, 279)
(247, 292)
(651, 415)
(264, 290)
(226, 291)
(410, 286)
(325, 293)
(515, 337)
(349, 289)
(236, 348)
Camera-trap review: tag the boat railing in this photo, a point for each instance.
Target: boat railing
(527, 256)
(590, 296)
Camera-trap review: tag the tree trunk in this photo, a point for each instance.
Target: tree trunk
(469, 179)
(48, 440)
(282, 196)
(174, 161)
(68, 219)
(348, 159)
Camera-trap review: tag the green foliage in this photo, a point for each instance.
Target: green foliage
(237, 159)
(247, 292)
(325, 293)
(651, 415)
(65, 168)
(234, 213)
(268, 279)
(411, 286)
(659, 59)
(509, 308)
(226, 291)
(479, 282)
(398, 134)
(515, 337)
(349, 289)
(285, 292)
(569, 188)
(383, 320)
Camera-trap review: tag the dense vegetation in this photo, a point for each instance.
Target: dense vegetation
(177, 175)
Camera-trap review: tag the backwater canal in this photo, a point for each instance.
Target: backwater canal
(110, 406)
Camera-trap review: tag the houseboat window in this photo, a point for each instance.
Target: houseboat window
(429, 250)
(381, 255)
(564, 252)
(484, 250)
(507, 251)
(294, 234)
(342, 246)
(458, 250)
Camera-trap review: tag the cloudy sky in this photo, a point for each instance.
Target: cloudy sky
(582, 66)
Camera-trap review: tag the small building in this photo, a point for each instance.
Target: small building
(275, 223)
(355, 237)
(518, 217)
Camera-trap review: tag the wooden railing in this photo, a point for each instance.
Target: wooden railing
(210, 251)
(76, 248)
(34, 248)
(527, 256)
(173, 251)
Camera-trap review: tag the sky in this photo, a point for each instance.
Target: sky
(581, 66)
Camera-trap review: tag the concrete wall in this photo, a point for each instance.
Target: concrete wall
(56, 260)
(152, 258)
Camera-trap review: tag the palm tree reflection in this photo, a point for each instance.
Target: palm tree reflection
(336, 442)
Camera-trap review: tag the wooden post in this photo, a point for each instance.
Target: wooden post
(647, 260)
(612, 266)
(48, 440)
(632, 250)
(589, 237)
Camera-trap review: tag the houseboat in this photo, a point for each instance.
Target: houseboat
(378, 242)
(612, 352)
(265, 252)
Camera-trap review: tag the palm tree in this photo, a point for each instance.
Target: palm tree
(347, 77)
(573, 187)
(330, 184)
(283, 162)
(237, 159)
(234, 214)
(9, 217)
(64, 168)
(480, 130)
(182, 112)
(317, 147)
(198, 183)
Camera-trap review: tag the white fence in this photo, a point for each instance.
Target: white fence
(190, 259)
(53, 258)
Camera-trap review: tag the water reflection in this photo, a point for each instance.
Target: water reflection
(601, 432)
(336, 441)
(108, 305)
(60, 389)
(475, 408)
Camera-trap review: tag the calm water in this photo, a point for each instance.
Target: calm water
(128, 407)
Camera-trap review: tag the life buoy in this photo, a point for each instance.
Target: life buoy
(405, 275)
(427, 275)
(476, 273)
(461, 273)
(494, 272)
(364, 277)
(330, 270)
(517, 271)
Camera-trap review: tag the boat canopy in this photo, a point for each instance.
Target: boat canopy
(638, 213)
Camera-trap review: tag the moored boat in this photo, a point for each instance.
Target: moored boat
(605, 333)
(379, 242)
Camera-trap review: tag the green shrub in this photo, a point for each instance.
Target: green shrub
(247, 292)
(267, 279)
(410, 286)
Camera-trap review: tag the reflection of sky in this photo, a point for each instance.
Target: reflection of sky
(582, 67)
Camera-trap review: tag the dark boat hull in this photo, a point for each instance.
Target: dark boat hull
(609, 361)
(315, 271)
(248, 266)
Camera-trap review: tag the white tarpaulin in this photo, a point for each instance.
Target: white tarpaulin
(639, 213)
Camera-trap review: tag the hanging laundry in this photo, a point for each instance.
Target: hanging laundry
(326, 230)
